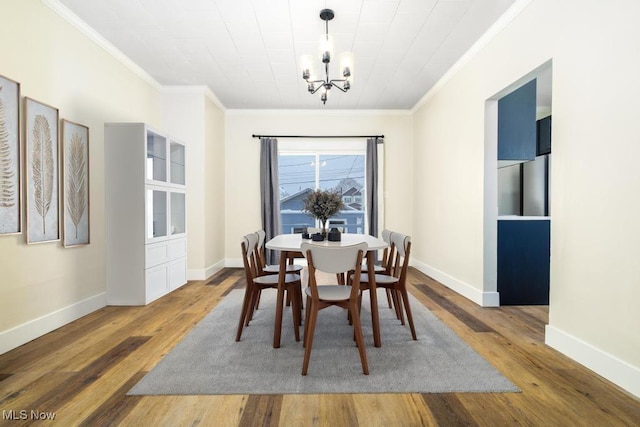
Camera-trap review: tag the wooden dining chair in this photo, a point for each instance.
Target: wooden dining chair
(272, 268)
(333, 259)
(383, 267)
(396, 281)
(264, 268)
(257, 282)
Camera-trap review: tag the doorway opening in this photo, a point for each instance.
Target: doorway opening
(517, 210)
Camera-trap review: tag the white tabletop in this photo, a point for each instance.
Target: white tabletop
(291, 242)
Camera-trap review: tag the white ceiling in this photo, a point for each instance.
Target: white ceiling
(247, 51)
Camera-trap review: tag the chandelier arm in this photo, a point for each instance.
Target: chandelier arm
(335, 85)
(319, 87)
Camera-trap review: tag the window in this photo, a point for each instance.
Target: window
(303, 168)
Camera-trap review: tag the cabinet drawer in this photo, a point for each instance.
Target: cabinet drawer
(177, 273)
(157, 280)
(156, 254)
(177, 248)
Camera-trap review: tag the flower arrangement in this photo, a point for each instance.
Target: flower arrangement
(323, 204)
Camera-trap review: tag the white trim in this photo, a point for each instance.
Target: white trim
(204, 274)
(490, 206)
(610, 367)
(73, 19)
(483, 41)
(233, 263)
(484, 299)
(36, 328)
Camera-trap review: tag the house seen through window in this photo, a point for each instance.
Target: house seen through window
(301, 173)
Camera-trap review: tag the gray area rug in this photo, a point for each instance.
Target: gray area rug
(209, 361)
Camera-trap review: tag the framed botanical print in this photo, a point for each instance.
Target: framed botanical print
(41, 172)
(75, 184)
(10, 191)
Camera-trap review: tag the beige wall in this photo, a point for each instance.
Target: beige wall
(191, 115)
(595, 191)
(214, 188)
(243, 161)
(58, 65)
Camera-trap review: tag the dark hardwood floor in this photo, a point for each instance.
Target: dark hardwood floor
(81, 373)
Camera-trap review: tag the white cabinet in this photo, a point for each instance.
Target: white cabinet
(145, 185)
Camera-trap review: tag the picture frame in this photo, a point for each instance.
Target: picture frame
(75, 184)
(41, 171)
(10, 162)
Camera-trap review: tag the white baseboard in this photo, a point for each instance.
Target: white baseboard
(35, 328)
(484, 299)
(610, 367)
(204, 274)
(234, 263)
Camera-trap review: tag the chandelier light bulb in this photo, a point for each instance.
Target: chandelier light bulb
(326, 48)
(346, 65)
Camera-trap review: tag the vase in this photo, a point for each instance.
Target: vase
(334, 235)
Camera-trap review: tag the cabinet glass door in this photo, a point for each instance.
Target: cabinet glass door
(156, 157)
(178, 217)
(176, 163)
(156, 214)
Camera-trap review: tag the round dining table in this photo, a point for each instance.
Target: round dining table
(289, 247)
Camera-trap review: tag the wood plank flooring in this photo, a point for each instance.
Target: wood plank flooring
(81, 373)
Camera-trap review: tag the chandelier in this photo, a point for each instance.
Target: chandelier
(326, 52)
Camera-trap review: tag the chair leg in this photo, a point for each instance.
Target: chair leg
(298, 287)
(252, 305)
(357, 327)
(310, 329)
(407, 308)
(295, 311)
(389, 298)
(305, 329)
(245, 308)
(398, 304)
(258, 299)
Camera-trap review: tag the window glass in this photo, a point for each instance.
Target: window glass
(301, 173)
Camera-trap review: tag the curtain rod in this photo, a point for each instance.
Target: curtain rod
(319, 136)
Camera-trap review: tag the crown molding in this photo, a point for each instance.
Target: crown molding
(474, 50)
(94, 36)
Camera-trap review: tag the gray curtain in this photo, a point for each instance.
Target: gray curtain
(371, 185)
(269, 192)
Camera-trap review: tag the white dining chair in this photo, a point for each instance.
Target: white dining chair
(334, 260)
